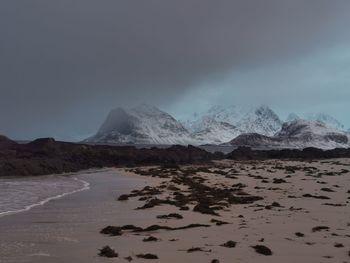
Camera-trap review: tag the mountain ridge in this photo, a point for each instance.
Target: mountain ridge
(297, 134)
(257, 127)
(261, 119)
(321, 117)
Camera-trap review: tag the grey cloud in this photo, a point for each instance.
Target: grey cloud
(65, 63)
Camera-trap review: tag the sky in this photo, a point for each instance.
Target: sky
(65, 64)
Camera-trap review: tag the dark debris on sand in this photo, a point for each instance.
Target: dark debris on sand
(108, 252)
(261, 249)
(299, 234)
(123, 197)
(170, 216)
(119, 230)
(218, 222)
(207, 199)
(316, 196)
(188, 189)
(229, 244)
(197, 249)
(338, 245)
(326, 189)
(150, 239)
(147, 256)
(129, 258)
(112, 231)
(320, 228)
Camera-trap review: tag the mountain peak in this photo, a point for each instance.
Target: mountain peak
(321, 117)
(262, 108)
(305, 128)
(262, 120)
(117, 120)
(298, 133)
(143, 124)
(327, 120)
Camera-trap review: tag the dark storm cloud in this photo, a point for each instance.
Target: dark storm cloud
(65, 63)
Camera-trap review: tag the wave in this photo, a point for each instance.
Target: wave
(85, 186)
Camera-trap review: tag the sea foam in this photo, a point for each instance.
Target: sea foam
(22, 194)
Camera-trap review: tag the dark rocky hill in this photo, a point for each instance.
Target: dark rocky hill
(47, 156)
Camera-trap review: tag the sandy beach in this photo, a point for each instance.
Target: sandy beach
(67, 229)
(247, 210)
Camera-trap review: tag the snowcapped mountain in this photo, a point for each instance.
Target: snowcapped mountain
(324, 118)
(298, 134)
(255, 127)
(207, 130)
(302, 133)
(148, 125)
(141, 125)
(260, 120)
(230, 114)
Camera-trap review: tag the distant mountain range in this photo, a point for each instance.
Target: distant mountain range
(297, 134)
(319, 117)
(255, 127)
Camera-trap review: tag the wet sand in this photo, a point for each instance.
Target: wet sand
(67, 229)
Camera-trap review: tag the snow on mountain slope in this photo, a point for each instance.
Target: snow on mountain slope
(298, 128)
(141, 125)
(324, 118)
(303, 133)
(258, 126)
(211, 131)
(230, 114)
(298, 134)
(260, 120)
(327, 120)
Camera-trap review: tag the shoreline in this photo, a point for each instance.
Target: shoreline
(86, 186)
(67, 228)
(74, 176)
(286, 220)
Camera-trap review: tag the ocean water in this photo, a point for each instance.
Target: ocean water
(22, 194)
